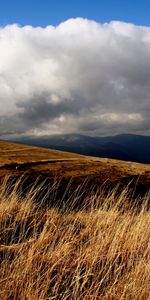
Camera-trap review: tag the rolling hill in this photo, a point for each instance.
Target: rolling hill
(18, 160)
(127, 147)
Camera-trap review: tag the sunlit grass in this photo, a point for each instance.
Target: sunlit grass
(101, 251)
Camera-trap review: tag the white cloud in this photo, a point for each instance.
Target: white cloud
(80, 76)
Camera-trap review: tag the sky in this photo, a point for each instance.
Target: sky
(45, 12)
(74, 67)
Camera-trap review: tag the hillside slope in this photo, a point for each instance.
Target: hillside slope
(129, 147)
(20, 160)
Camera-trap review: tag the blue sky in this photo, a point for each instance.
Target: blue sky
(45, 12)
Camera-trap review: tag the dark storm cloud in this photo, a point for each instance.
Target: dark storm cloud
(79, 76)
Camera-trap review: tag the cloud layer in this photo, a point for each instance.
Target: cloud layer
(80, 76)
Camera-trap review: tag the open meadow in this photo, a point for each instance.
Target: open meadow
(72, 227)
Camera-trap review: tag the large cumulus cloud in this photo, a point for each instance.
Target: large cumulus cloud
(80, 76)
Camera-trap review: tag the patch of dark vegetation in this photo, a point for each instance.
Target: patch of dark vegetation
(139, 184)
(27, 165)
(67, 193)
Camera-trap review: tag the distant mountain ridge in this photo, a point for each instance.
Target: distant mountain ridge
(127, 147)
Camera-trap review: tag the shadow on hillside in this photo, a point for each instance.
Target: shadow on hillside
(77, 193)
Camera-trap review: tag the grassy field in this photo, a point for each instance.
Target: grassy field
(72, 227)
(101, 251)
(34, 161)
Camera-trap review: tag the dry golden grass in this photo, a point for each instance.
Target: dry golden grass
(18, 153)
(35, 161)
(99, 252)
